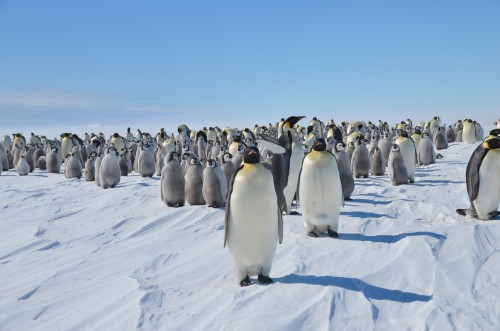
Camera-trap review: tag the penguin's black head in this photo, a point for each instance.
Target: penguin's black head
(418, 131)
(319, 145)
(292, 120)
(251, 155)
(493, 143)
(237, 139)
(395, 148)
(115, 135)
(404, 134)
(310, 129)
(495, 132)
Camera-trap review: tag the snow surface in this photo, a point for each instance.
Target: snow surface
(74, 256)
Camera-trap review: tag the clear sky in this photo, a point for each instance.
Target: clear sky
(105, 65)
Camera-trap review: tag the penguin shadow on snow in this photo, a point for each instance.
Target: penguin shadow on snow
(436, 182)
(388, 239)
(363, 214)
(357, 285)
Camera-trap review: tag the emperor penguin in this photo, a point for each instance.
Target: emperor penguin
(407, 148)
(214, 185)
(22, 167)
(237, 158)
(344, 166)
(479, 131)
(377, 163)
(89, 172)
(122, 160)
(42, 162)
(351, 146)
(4, 161)
(450, 134)
(417, 136)
(459, 127)
(360, 162)
(6, 142)
(469, 132)
(119, 143)
(98, 162)
(194, 182)
(72, 167)
(396, 167)
(320, 191)
(385, 145)
(253, 220)
(483, 179)
(28, 155)
(66, 144)
(172, 181)
(129, 136)
(109, 170)
(54, 160)
(37, 153)
(426, 153)
(146, 161)
(439, 138)
(228, 167)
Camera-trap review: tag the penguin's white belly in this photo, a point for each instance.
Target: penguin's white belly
(469, 134)
(253, 221)
(320, 193)
(488, 197)
(293, 175)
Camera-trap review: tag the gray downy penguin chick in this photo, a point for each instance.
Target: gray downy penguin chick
(146, 164)
(76, 150)
(98, 162)
(37, 153)
(172, 181)
(201, 143)
(385, 145)
(344, 166)
(42, 162)
(194, 182)
(214, 185)
(123, 165)
(73, 167)
(54, 160)
(479, 132)
(22, 167)
(450, 134)
(238, 156)
(397, 169)
(109, 170)
(350, 150)
(228, 167)
(161, 153)
(4, 161)
(377, 163)
(360, 163)
(426, 153)
(373, 144)
(90, 167)
(10, 158)
(439, 137)
(28, 155)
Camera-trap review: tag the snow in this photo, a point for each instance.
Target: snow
(74, 256)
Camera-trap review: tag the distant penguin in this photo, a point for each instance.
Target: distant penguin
(469, 132)
(89, 172)
(426, 153)
(237, 158)
(42, 162)
(54, 160)
(172, 181)
(344, 166)
(28, 155)
(360, 162)
(146, 163)
(66, 144)
(38, 152)
(228, 167)
(214, 185)
(479, 132)
(385, 145)
(73, 167)
(483, 179)
(4, 161)
(109, 170)
(194, 182)
(377, 163)
(417, 136)
(123, 165)
(98, 162)
(22, 167)
(396, 167)
(459, 131)
(320, 191)
(253, 220)
(350, 150)
(450, 134)
(407, 149)
(439, 138)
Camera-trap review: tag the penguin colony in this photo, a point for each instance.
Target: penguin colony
(275, 167)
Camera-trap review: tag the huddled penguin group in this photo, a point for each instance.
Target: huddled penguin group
(275, 167)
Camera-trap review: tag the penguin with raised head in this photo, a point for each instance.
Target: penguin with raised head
(194, 182)
(54, 160)
(73, 167)
(344, 165)
(109, 170)
(214, 185)
(407, 149)
(426, 153)
(385, 145)
(172, 181)
(66, 144)
(320, 191)
(360, 162)
(377, 163)
(439, 138)
(146, 161)
(396, 167)
(253, 220)
(469, 132)
(483, 179)
(228, 167)
(89, 172)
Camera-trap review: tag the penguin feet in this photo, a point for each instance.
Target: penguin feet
(332, 233)
(264, 279)
(348, 199)
(494, 214)
(246, 281)
(365, 176)
(313, 234)
(294, 213)
(439, 156)
(462, 212)
(412, 180)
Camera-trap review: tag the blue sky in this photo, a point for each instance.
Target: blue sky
(106, 65)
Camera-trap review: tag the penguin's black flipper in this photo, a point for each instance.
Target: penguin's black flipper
(280, 226)
(228, 207)
(472, 172)
(264, 279)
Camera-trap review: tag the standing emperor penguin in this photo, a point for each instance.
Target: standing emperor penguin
(214, 185)
(479, 131)
(407, 148)
(469, 132)
(98, 162)
(228, 167)
(350, 150)
(194, 182)
(22, 167)
(377, 163)
(439, 138)
(396, 167)
(172, 181)
(385, 145)
(54, 160)
(73, 167)
(253, 220)
(426, 153)
(66, 144)
(4, 161)
(450, 134)
(320, 191)
(90, 167)
(360, 162)
(344, 165)
(483, 179)
(146, 161)
(109, 170)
